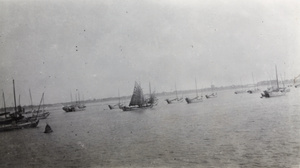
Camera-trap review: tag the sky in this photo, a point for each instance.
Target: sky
(96, 48)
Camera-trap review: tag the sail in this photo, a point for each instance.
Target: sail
(137, 96)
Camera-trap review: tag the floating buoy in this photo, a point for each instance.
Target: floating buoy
(48, 129)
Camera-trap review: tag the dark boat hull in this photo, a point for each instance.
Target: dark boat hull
(19, 125)
(194, 100)
(133, 108)
(73, 108)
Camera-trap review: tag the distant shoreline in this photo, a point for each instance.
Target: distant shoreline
(216, 89)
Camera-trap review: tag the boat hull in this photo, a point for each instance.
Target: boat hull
(253, 91)
(20, 125)
(211, 96)
(116, 106)
(240, 92)
(73, 108)
(194, 100)
(174, 101)
(133, 108)
(269, 94)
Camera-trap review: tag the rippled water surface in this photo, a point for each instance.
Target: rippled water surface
(228, 131)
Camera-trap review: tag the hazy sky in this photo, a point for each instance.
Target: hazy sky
(101, 46)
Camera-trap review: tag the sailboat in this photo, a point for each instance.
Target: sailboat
(274, 91)
(212, 95)
(6, 119)
(16, 120)
(241, 91)
(118, 105)
(297, 81)
(77, 106)
(195, 99)
(175, 100)
(43, 114)
(254, 89)
(138, 101)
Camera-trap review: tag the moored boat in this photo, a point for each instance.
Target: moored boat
(274, 91)
(175, 100)
(77, 106)
(118, 105)
(213, 95)
(196, 99)
(297, 81)
(138, 101)
(254, 89)
(16, 120)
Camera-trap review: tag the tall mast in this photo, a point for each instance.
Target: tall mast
(83, 98)
(43, 104)
(253, 80)
(176, 91)
(282, 80)
(196, 88)
(276, 77)
(78, 97)
(37, 113)
(31, 100)
(119, 96)
(15, 95)
(4, 104)
(149, 88)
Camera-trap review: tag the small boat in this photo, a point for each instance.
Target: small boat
(196, 99)
(274, 91)
(254, 89)
(77, 106)
(73, 108)
(138, 101)
(212, 95)
(297, 81)
(240, 91)
(20, 125)
(175, 100)
(118, 105)
(243, 90)
(41, 114)
(251, 91)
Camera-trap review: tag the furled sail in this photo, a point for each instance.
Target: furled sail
(137, 96)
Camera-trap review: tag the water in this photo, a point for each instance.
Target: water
(228, 131)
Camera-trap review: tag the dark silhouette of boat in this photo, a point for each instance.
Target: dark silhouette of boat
(138, 101)
(175, 100)
(196, 99)
(16, 120)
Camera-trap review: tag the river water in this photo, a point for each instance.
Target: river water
(231, 130)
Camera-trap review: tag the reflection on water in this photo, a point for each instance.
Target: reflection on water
(229, 131)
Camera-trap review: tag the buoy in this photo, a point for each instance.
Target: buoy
(48, 129)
